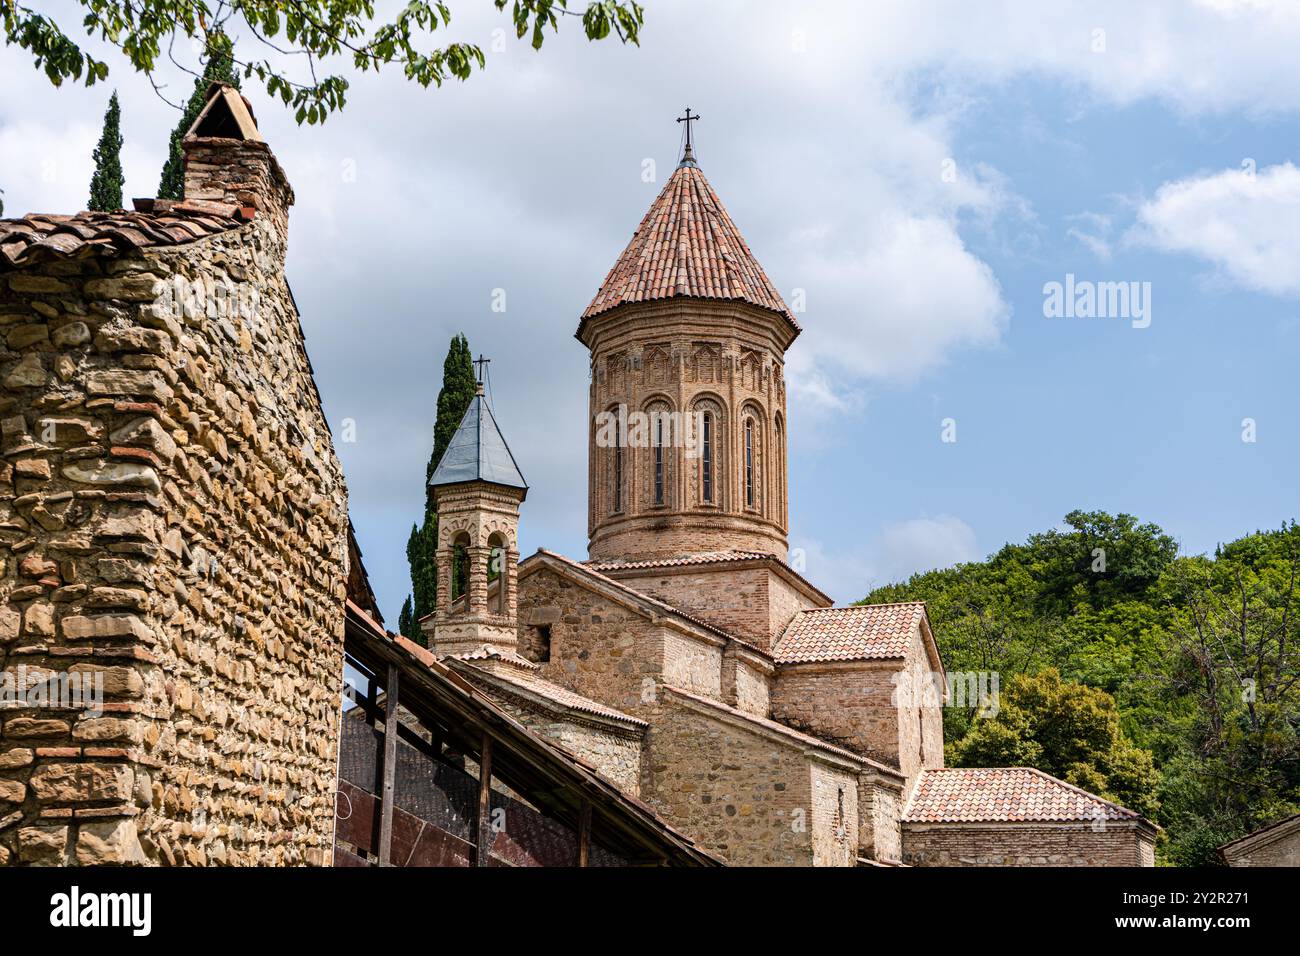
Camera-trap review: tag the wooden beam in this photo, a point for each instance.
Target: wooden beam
(584, 833)
(484, 801)
(390, 768)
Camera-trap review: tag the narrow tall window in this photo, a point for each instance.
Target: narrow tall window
(618, 477)
(706, 476)
(659, 459)
(749, 462)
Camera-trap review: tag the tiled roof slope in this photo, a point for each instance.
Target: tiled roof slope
(702, 557)
(530, 681)
(1004, 794)
(862, 632)
(36, 237)
(687, 245)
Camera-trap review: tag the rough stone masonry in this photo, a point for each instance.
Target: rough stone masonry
(173, 518)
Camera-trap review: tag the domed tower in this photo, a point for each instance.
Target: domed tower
(477, 490)
(687, 445)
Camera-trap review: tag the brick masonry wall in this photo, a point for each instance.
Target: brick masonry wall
(753, 603)
(174, 517)
(1026, 844)
(852, 704)
(683, 356)
(1284, 851)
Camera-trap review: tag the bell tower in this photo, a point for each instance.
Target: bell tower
(687, 440)
(477, 490)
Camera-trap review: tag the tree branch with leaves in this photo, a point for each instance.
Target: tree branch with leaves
(306, 31)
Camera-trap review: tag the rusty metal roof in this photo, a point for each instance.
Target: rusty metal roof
(478, 452)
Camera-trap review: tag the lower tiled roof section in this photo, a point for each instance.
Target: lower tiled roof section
(702, 557)
(37, 237)
(1004, 795)
(529, 680)
(862, 632)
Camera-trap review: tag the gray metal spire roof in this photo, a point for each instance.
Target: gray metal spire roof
(478, 452)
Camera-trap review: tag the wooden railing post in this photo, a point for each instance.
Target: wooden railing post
(484, 802)
(584, 833)
(390, 769)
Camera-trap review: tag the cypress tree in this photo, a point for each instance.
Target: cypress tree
(106, 184)
(458, 387)
(407, 626)
(220, 68)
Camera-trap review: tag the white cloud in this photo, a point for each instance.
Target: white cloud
(1243, 223)
(528, 177)
(899, 551)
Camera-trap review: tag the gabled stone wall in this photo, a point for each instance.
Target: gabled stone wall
(172, 517)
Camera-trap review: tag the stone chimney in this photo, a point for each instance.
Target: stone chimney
(227, 161)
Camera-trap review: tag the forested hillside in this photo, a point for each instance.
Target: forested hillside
(1167, 681)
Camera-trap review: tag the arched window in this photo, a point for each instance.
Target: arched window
(618, 475)
(496, 565)
(657, 424)
(459, 566)
(749, 462)
(706, 457)
(779, 466)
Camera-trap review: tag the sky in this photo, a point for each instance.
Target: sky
(919, 174)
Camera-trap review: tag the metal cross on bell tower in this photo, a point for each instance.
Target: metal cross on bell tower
(481, 365)
(688, 156)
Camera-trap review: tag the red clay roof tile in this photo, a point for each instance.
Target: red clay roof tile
(687, 245)
(862, 632)
(1004, 794)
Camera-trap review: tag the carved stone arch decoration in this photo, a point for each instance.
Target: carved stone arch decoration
(656, 366)
(706, 472)
(616, 373)
(751, 370)
(706, 364)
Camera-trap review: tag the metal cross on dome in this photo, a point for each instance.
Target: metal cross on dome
(688, 119)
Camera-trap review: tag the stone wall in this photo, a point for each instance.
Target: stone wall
(746, 599)
(174, 518)
(856, 705)
(1027, 844)
(1267, 849)
(613, 751)
(734, 792)
(834, 816)
(880, 802)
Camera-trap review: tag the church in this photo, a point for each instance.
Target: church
(174, 529)
(684, 658)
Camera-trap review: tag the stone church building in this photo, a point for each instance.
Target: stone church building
(174, 537)
(685, 657)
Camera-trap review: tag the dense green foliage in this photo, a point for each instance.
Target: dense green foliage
(219, 68)
(1068, 730)
(458, 387)
(298, 37)
(1198, 654)
(106, 183)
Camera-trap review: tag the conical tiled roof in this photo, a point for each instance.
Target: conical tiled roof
(687, 245)
(478, 452)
